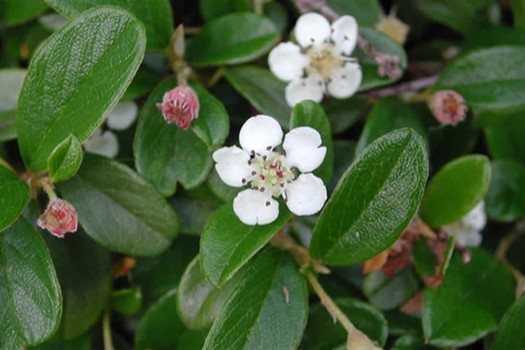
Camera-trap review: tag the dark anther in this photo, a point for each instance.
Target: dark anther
(268, 204)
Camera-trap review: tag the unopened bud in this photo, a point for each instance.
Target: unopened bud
(393, 27)
(448, 107)
(180, 106)
(59, 218)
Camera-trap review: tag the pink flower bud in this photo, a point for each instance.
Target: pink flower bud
(59, 218)
(448, 107)
(180, 106)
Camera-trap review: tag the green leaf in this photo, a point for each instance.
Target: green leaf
(506, 141)
(29, 290)
(493, 36)
(126, 301)
(156, 16)
(510, 333)
(343, 114)
(227, 244)
(65, 159)
(388, 293)
(264, 91)
(10, 84)
(518, 12)
(468, 303)
(221, 41)
(82, 342)
(267, 310)
(374, 201)
(309, 113)
(56, 102)
(12, 12)
(185, 155)
(211, 9)
(424, 259)
(367, 13)
(7, 126)
(14, 196)
(84, 273)
(119, 209)
(383, 44)
(199, 302)
(505, 200)
(491, 90)
(388, 115)
(455, 189)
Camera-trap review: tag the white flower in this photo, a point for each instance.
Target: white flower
(467, 230)
(322, 63)
(273, 174)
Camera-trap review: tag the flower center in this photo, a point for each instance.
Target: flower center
(270, 173)
(324, 60)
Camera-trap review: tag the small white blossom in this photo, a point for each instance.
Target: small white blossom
(273, 174)
(322, 63)
(467, 229)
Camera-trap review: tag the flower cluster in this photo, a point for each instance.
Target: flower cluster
(467, 230)
(273, 174)
(322, 63)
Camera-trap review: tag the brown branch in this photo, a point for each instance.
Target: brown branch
(410, 86)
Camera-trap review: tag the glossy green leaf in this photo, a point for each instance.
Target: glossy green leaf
(309, 113)
(13, 12)
(505, 200)
(424, 259)
(506, 141)
(82, 342)
(381, 43)
(84, 273)
(510, 333)
(374, 201)
(264, 91)
(199, 302)
(468, 303)
(388, 293)
(185, 155)
(411, 342)
(227, 244)
(489, 89)
(267, 310)
(65, 159)
(56, 102)
(7, 126)
(367, 13)
(493, 36)
(455, 189)
(10, 84)
(119, 209)
(155, 15)
(221, 41)
(29, 290)
(14, 196)
(126, 301)
(518, 13)
(211, 9)
(388, 115)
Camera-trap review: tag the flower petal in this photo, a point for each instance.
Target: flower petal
(305, 195)
(253, 207)
(123, 115)
(345, 81)
(287, 62)
(103, 143)
(344, 34)
(260, 133)
(302, 148)
(465, 236)
(232, 165)
(476, 218)
(311, 88)
(312, 29)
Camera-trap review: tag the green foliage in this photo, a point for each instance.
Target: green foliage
(14, 195)
(211, 9)
(509, 334)
(505, 199)
(12, 13)
(65, 159)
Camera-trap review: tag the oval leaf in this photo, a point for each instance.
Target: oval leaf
(10, 84)
(14, 196)
(374, 201)
(211, 9)
(468, 303)
(267, 309)
(506, 141)
(388, 293)
(65, 159)
(221, 41)
(29, 290)
(510, 333)
(227, 244)
(13, 13)
(119, 209)
(68, 88)
(126, 301)
(505, 200)
(455, 190)
(367, 13)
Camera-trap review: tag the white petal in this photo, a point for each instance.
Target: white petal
(232, 165)
(52, 21)
(465, 236)
(312, 29)
(103, 143)
(302, 149)
(476, 218)
(345, 81)
(287, 62)
(254, 207)
(311, 88)
(260, 133)
(305, 195)
(123, 115)
(344, 34)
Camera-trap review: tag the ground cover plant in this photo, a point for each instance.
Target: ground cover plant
(262, 174)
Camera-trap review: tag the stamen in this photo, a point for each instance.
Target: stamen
(243, 180)
(268, 203)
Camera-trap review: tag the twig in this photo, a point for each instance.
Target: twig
(106, 330)
(409, 86)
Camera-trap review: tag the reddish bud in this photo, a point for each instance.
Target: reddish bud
(59, 218)
(180, 106)
(448, 107)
